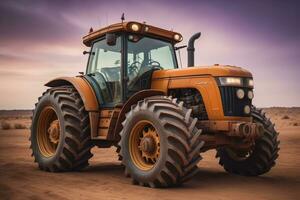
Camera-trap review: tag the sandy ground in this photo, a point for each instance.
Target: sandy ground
(21, 179)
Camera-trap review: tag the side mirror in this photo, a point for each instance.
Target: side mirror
(111, 39)
(88, 52)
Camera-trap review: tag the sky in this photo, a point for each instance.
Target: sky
(41, 40)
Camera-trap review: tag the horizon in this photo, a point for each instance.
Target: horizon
(271, 107)
(43, 40)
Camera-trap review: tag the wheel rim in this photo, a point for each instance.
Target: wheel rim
(144, 145)
(48, 131)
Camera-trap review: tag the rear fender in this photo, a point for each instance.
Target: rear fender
(87, 95)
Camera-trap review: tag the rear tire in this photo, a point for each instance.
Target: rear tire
(179, 143)
(263, 156)
(72, 148)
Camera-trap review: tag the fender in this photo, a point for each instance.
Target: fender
(127, 106)
(86, 93)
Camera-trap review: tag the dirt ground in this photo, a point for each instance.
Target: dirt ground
(20, 177)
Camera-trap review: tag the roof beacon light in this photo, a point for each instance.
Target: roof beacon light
(135, 27)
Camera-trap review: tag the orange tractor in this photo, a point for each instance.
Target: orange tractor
(134, 96)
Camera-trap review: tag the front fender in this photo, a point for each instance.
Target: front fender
(127, 106)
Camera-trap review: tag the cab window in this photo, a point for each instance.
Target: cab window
(144, 55)
(105, 68)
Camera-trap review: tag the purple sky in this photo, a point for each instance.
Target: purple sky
(40, 40)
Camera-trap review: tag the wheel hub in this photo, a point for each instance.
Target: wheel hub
(149, 144)
(54, 131)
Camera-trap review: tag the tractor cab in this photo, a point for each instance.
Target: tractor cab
(122, 60)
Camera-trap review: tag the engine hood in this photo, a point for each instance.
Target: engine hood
(215, 70)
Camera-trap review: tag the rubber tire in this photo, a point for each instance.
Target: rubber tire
(263, 156)
(73, 150)
(179, 138)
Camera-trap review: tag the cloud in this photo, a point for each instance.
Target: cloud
(26, 23)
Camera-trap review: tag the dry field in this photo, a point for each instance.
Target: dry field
(104, 179)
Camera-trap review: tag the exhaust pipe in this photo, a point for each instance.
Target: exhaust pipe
(191, 49)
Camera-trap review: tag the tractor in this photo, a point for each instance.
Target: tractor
(159, 117)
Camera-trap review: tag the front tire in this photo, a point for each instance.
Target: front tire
(159, 143)
(60, 131)
(261, 158)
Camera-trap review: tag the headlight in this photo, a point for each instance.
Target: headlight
(240, 93)
(250, 82)
(230, 81)
(250, 94)
(247, 109)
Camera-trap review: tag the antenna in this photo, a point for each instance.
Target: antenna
(123, 17)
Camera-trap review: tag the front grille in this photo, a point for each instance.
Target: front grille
(232, 106)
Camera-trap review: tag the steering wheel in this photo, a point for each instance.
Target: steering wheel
(156, 65)
(133, 68)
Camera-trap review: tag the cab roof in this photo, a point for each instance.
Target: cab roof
(133, 27)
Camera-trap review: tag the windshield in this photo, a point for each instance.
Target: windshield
(145, 52)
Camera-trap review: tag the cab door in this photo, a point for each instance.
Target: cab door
(105, 69)
(104, 73)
